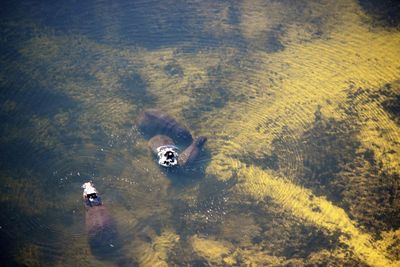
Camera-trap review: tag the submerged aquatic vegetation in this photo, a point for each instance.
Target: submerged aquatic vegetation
(300, 105)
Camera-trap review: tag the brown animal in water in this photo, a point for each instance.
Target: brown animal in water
(100, 226)
(164, 130)
(154, 121)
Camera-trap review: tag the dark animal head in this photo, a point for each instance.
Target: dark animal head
(200, 141)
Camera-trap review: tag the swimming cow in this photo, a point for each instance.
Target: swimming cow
(164, 131)
(154, 121)
(100, 226)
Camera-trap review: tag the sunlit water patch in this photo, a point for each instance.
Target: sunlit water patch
(298, 100)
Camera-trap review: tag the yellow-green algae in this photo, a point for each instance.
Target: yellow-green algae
(212, 250)
(301, 202)
(316, 73)
(29, 256)
(223, 253)
(14, 192)
(309, 73)
(156, 252)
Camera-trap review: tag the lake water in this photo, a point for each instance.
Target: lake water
(300, 101)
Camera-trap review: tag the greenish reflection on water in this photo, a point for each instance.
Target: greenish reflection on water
(299, 101)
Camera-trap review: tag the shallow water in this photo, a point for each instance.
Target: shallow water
(299, 101)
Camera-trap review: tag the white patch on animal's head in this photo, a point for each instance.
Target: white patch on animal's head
(88, 188)
(167, 156)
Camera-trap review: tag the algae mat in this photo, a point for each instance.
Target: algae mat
(299, 100)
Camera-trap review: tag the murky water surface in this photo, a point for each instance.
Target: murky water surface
(300, 102)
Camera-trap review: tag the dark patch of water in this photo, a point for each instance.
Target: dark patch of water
(21, 154)
(266, 161)
(135, 89)
(215, 95)
(328, 145)
(384, 12)
(336, 166)
(17, 236)
(206, 214)
(36, 101)
(151, 24)
(392, 103)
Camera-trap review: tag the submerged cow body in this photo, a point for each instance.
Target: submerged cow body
(100, 226)
(154, 121)
(164, 131)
